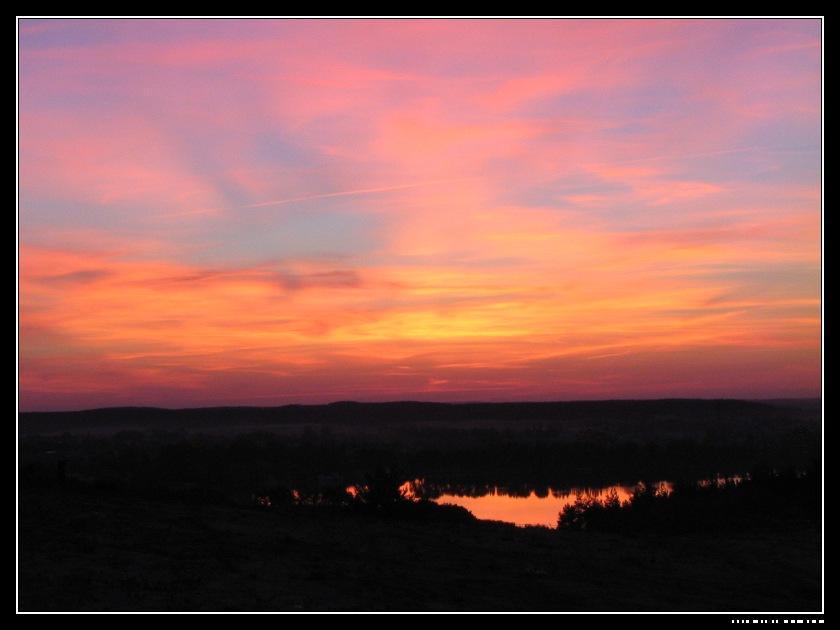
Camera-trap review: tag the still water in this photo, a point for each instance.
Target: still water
(541, 507)
(527, 506)
(533, 509)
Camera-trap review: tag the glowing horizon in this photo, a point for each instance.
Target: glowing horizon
(275, 211)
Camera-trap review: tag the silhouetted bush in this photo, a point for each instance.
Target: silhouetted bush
(765, 499)
(382, 491)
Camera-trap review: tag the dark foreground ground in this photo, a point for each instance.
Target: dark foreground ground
(85, 551)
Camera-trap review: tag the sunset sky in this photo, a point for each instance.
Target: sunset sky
(267, 212)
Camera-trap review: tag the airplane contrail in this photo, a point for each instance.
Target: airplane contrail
(349, 193)
(340, 193)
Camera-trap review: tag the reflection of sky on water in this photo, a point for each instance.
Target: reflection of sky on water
(531, 509)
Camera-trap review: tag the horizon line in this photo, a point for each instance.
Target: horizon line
(427, 402)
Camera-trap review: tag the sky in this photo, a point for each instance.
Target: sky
(237, 212)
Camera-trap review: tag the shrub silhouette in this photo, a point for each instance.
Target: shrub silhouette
(588, 512)
(765, 499)
(382, 491)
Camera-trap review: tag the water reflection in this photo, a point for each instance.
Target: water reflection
(529, 505)
(521, 504)
(535, 507)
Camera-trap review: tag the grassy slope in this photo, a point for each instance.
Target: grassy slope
(85, 552)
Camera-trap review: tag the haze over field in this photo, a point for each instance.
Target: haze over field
(265, 212)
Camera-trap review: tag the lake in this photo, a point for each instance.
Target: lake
(528, 505)
(534, 508)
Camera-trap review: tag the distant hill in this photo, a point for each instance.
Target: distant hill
(691, 415)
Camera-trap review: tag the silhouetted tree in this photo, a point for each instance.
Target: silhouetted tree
(382, 490)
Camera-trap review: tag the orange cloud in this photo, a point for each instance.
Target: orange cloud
(279, 211)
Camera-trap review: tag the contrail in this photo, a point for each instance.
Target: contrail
(350, 193)
(340, 193)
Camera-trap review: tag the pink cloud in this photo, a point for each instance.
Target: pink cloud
(309, 210)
